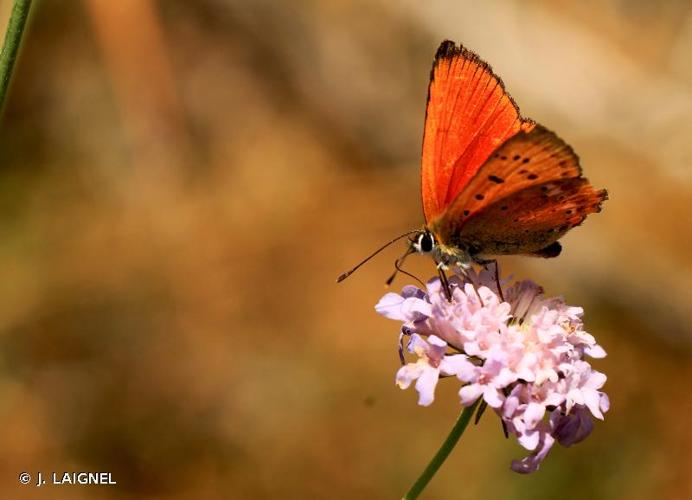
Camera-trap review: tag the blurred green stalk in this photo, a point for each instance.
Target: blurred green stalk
(442, 453)
(15, 29)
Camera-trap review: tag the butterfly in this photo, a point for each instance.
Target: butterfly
(492, 182)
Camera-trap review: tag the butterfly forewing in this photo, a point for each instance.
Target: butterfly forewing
(469, 114)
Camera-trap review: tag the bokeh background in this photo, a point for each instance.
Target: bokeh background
(181, 182)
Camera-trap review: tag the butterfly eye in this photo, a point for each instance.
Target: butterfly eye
(425, 243)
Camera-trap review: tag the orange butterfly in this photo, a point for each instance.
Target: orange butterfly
(492, 182)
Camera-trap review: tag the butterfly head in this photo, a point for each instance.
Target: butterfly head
(428, 242)
(424, 242)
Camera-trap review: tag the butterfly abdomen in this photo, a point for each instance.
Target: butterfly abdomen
(552, 250)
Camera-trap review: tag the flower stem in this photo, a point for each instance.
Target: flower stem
(15, 29)
(442, 453)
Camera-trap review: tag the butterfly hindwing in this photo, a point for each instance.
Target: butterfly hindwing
(468, 116)
(526, 159)
(530, 220)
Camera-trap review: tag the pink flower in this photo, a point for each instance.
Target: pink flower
(432, 362)
(573, 428)
(581, 387)
(524, 355)
(532, 462)
(487, 380)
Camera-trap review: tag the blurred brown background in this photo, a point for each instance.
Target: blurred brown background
(181, 182)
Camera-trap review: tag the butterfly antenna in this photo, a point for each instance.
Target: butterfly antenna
(345, 275)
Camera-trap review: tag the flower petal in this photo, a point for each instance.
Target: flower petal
(493, 397)
(604, 403)
(415, 309)
(426, 385)
(532, 462)
(389, 306)
(595, 351)
(470, 393)
(533, 414)
(407, 374)
(573, 428)
(592, 400)
(529, 439)
(455, 364)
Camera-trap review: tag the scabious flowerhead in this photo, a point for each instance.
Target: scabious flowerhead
(523, 354)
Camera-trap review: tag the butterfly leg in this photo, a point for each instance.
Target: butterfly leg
(485, 263)
(464, 271)
(444, 281)
(497, 280)
(401, 347)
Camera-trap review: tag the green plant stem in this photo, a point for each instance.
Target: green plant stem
(442, 453)
(13, 37)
